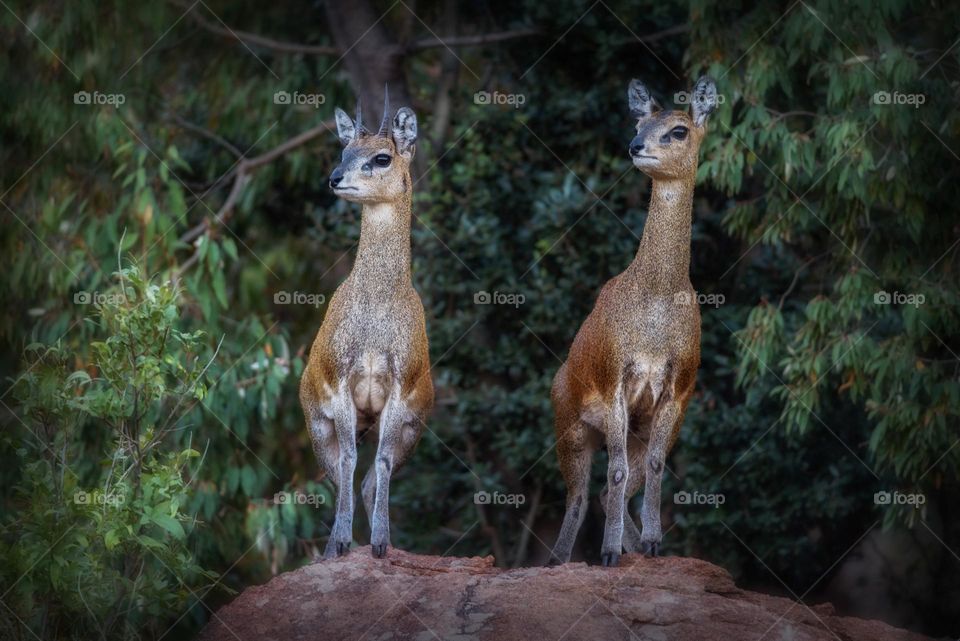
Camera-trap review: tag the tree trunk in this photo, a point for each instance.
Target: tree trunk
(374, 57)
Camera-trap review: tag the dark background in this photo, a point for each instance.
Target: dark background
(828, 178)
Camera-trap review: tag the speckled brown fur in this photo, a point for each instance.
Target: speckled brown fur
(369, 367)
(632, 367)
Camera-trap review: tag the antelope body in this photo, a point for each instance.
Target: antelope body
(632, 367)
(369, 367)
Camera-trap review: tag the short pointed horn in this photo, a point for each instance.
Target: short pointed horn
(359, 121)
(385, 122)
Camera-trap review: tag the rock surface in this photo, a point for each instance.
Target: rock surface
(408, 596)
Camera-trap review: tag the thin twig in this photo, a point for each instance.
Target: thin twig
(521, 555)
(206, 133)
(796, 277)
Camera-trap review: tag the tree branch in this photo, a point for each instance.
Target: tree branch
(331, 50)
(241, 175)
(296, 141)
(209, 135)
(470, 41)
(650, 38)
(262, 41)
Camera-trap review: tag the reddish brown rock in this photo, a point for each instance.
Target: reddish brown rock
(407, 596)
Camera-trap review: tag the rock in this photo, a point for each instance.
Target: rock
(408, 596)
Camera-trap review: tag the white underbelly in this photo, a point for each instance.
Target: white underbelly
(371, 383)
(645, 381)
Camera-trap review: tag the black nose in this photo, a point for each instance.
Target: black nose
(335, 178)
(636, 146)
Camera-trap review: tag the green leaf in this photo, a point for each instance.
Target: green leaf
(230, 248)
(111, 539)
(168, 523)
(220, 287)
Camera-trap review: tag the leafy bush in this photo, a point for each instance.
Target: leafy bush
(97, 542)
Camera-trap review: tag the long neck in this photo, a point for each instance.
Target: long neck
(383, 258)
(664, 254)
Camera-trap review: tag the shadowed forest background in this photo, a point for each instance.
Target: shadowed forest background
(169, 243)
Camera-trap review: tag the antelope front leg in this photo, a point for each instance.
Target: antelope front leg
(666, 420)
(617, 472)
(396, 441)
(345, 424)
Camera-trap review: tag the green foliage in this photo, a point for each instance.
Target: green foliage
(852, 199)
(96, 543)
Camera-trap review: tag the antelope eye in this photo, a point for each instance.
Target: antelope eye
(679, 133)
(382, 160)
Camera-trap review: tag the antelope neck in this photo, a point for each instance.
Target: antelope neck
(663, 258)
(383, 257)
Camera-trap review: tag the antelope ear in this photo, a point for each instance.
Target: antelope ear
(345, 127)
(405, 131)
(641, 102)
(703, 100)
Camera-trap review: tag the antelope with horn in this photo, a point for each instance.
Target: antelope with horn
(369, 367)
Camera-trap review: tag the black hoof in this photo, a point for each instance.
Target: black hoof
(379, 551)
(554, 562)
(336, 548)
(610, 559)
(650, 548)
